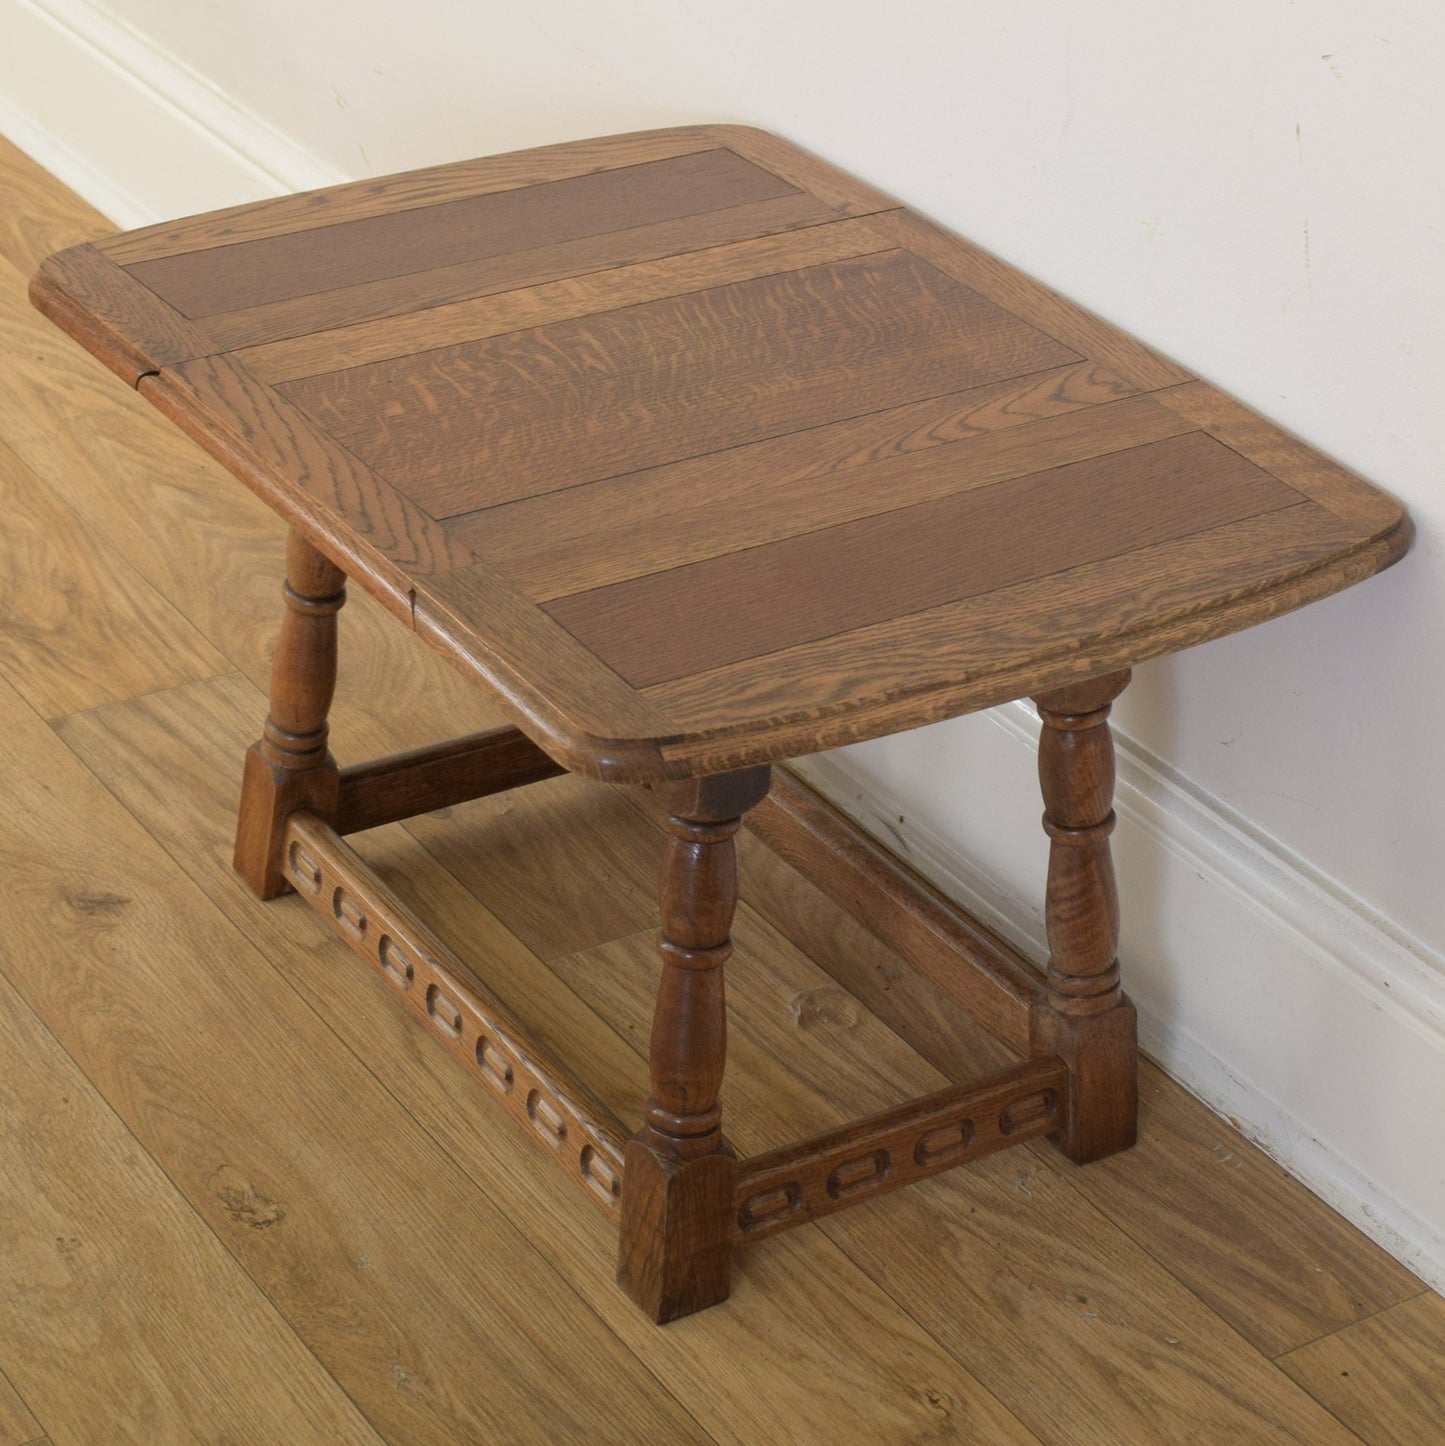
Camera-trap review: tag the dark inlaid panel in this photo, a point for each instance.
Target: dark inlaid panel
(606, 286)
(419, 291)
(277, 268)
(469, 426)
(747, 604)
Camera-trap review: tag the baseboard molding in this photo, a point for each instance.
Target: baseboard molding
(71, 167)
(79, 87)
(1334, 1088)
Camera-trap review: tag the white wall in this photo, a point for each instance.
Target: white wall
(1255, 187)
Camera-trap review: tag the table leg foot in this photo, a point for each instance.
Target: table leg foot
(268, 795)
(1101, 1054)
(290, 767)
(676, 1247)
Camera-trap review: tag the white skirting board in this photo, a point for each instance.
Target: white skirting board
(1275, 997)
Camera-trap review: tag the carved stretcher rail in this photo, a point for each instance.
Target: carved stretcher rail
(572, 1127)
(909, 1142)
(773, 1191)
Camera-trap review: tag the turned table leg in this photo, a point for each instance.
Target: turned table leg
(1084, 1017)
(677, 1187)
(290, 767)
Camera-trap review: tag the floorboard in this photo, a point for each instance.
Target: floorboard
(92, 1226)
(1382, 1377)
(18, 1427)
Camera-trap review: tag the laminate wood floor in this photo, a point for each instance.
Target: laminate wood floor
(243, 1198)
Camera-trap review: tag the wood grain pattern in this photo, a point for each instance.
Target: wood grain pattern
(283, 1120)
(942, 1029)
(851, 196)
(291, 766)
(1084, 1017)
(1268, 1256)
(1384, 1377)
(834, 581)
(1081, 910)
(210, 549)
(1022, 639)
(77, 321)
(698, 890)
(835, 1169)
(1289, 1234)
(275, 449)
(497, 312)
(1307, 470)
(562, 865)
(675, 1251)
(669, 516)
(561, 1115)
(423, 780)
(652, 383)
(593, 724)
(92, 1238)
(410, 291)
(303, 671)
(40, 216)
(18, 1427)
(135, 482)
(80, 626)
(899, 908)
(128, 327)
(170, 758)
(400, 191)
(1202, 1199)
(249, 274)
(1030, 300)
(803, 1311)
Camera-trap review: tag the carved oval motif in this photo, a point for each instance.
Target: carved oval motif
(768, 1207)
(394, 963)
(495, 1064)
(945, 1144)
(546, 1118)
(444, 1014)
(859, 1174)
(600, 1175)
(349, 913)
(1041, 1106)
(304, 870)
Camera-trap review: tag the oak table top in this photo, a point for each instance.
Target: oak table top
(700, 453)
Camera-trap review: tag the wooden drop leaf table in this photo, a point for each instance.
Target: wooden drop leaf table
(698, 454)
